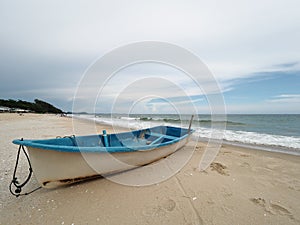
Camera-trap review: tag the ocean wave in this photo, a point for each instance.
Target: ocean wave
(253, 138)
(159, 119)
(235, 136)
(206, 122)
(232, 123)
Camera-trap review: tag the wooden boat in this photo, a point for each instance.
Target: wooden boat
(66, 160)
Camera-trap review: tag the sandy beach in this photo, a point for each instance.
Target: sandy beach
(242, 186)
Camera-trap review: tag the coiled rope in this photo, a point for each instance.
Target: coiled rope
(15, 182)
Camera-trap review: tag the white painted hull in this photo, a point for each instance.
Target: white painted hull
(55, 168)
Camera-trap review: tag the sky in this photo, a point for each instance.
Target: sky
(250, 47)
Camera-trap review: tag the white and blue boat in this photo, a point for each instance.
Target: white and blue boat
(66, 160)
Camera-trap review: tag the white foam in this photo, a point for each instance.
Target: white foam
(254, 138)
(243, 137)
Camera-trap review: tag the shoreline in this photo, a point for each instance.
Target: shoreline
(261, 147)
(257, 147)
(267, 148)
(241, 186)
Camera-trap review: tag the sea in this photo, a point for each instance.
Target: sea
(270, 132)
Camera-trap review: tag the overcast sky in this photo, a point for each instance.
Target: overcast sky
(251, 47)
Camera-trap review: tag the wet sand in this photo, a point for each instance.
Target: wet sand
(242, 186)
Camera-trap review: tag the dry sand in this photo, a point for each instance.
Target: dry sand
(242, 186)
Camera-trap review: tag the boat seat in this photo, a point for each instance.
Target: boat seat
(157, 140)
(163, 135)
(137, 142)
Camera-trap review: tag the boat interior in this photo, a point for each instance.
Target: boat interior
(150, 136)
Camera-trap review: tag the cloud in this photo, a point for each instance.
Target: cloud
(286, 98)
(178, 99)
(226, 35)
(287, 65)
(46, 47)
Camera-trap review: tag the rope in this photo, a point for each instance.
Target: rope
(15, 182)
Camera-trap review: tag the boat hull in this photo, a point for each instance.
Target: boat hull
(57, 168)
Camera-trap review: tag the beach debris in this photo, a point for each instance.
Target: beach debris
(194, 198)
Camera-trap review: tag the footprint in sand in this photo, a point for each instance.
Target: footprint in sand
(220, 168)
(281, 210)
(293, 185)
(166, 205)
(226, 152)
(154, 211)
(262, 203)
(258, 201)
(272, 208)
(244, 155)
(245, 165)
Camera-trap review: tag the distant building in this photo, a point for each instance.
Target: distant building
(4, 109)
(20, 110)
(12, 110)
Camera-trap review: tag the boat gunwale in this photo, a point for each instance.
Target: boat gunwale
(99, 149)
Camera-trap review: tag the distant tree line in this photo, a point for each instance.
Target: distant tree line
(37, 106)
